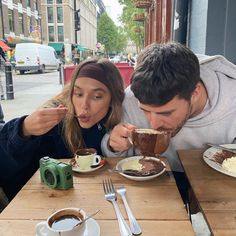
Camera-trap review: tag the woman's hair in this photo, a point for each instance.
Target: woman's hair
(114, 82)
(164, 71)
(61, 98)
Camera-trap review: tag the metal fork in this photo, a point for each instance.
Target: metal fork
(135, 228)
(110, 196)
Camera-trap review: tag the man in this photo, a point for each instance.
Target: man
(174, 97)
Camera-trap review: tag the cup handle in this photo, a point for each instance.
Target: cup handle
(41, 229)
(96, 160)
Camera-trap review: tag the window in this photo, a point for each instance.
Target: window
(60, 31)
(11, 20)
(59, 1)
(49, 1)
(29, 26)
(28, 3)
(21, 23)
(51, 33)
(59, 15)
(36, 5)
(50, 14)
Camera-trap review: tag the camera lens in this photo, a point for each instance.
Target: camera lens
(49, 177)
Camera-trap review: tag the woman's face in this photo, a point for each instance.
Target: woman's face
(91, 100)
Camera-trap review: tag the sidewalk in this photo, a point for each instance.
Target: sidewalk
(27, 99)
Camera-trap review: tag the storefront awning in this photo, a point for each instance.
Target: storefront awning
(82, 49)
(57, 46)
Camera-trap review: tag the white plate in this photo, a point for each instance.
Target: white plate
(140, 178)
(92, 228)
(210, 152)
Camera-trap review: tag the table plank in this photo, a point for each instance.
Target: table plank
(214, 191)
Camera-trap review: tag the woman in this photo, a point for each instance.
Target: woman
(94, 105)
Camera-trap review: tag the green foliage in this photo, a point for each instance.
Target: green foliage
(108, 34)
(129, 10)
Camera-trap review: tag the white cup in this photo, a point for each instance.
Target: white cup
(87, 157)
(62, 223)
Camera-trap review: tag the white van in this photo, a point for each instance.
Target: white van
(33, 56)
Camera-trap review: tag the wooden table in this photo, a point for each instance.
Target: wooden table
(156, 204)
(214, 191)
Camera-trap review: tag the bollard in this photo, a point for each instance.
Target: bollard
(61, 79)
(9, 82)
(1, 116)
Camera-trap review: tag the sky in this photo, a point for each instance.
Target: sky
(114, 10)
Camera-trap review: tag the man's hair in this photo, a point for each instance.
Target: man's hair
(164, 71)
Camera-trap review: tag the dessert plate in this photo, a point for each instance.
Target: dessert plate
(76, 168)
(125, 161)
(208, 157)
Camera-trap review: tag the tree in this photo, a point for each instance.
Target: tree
(130, 25)
(112, 37)
(121, 42)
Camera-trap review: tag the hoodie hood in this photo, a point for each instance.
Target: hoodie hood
(219, 77)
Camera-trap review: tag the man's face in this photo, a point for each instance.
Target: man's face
(169, 117)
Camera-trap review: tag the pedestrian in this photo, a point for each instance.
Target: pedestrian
(168, 92)
(76, 56)
(130, 60)
(2, 54)
(93, 106)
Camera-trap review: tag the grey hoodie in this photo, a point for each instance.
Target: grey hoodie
(215, 124)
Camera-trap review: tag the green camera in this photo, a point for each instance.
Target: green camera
(55, 174)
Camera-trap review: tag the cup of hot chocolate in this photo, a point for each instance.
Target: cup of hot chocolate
(64, 222)
(87, 158)
(150, 142)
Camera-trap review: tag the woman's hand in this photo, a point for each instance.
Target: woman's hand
(118, 140)
(43, 120)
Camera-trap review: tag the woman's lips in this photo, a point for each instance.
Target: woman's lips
(84, 118)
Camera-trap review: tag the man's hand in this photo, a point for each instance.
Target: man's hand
(118, 140)
(42, 120)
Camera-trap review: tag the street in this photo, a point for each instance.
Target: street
(30, 91)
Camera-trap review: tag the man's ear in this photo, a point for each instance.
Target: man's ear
(196, 94)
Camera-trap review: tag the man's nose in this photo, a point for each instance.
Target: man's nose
(156, 122)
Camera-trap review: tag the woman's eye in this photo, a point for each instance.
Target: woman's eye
(78, 94)
(97, 97)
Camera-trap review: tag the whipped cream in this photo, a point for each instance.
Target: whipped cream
(132, 165)
(229, 164)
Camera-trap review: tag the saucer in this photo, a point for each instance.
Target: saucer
(76, 168)
(92, 228)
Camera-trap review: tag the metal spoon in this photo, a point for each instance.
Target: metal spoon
(88, 217)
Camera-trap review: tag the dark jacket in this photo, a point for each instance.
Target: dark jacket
(20, 156)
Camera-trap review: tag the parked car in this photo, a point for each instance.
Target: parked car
(33, 56)
(116, 59)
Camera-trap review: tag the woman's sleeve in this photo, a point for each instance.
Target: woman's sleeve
(12, 142)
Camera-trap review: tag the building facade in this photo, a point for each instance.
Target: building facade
(20, 21)
(205, 26)
(67, 24)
